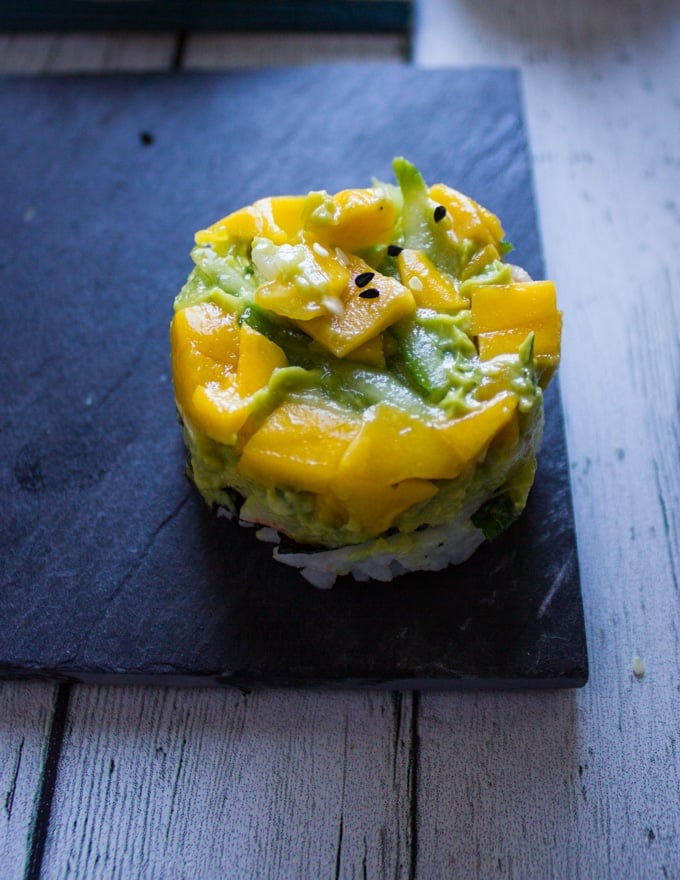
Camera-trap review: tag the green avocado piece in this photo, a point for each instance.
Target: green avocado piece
(419, 228)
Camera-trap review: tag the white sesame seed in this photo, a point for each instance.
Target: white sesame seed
(415, 284)
(320, 250)
(334, 305)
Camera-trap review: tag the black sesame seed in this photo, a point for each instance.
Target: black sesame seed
(394, 250)
(364, 279)
(369, 293)
(439, 213)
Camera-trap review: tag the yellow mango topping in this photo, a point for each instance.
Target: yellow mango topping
(506, 306)
(290, 301)
(480, 259)
(278, 218)
(469, 219)
(503, 316)
(374, 508)
(360, 218)
(205, 345)
(365, 310)
(431, 289)
(258, 358)
(304, 280)
(220, 411)
(469, 436)
(217, 367)
(298, 446)
(547, 335)
(392, 446)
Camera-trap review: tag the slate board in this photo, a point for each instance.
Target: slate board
(112, 569)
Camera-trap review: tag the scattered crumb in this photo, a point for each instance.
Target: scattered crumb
(638, 667)
(29, 214)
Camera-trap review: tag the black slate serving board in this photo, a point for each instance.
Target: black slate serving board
(111, 567)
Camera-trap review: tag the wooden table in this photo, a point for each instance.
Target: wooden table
(100, 782)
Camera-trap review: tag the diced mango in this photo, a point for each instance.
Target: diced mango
(480, 259)
(374, 508)
(393, 446)
(506, 306)
(361, 218)
(430, 288)
(547, 334)
(278, 218)
(287, 299)
(546, 366)
(469, 219)
(302, 279)
(219, 410)
(366, 311)
(217, 367)
(299, 445)
(258, 358)
(205, 346)
(469, 436)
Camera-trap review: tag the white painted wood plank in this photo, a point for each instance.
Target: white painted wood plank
(162, 783)
(25, 714)
(79, 53)
(586, 785)
(242, 50)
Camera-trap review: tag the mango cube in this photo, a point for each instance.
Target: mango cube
(469, 436)
(547, 335)
(481, 258)
(506, 306)
(301, 279)
(392, 446)
(258, 358)
(365, 311)
(298, 446)
(205, 346)
(469, 219)
(374, 508)
(278, 218)
(219, 410)
(361, 218)
(430, 288)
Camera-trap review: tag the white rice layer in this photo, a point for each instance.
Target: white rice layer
(429, 549)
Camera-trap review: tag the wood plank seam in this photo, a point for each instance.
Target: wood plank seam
(412, 783)
(38, 835)
(180, 50)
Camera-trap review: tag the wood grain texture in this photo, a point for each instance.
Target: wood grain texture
(25, 716)
(77, 53)
(587, 784)
(163, 783)
(222, 51)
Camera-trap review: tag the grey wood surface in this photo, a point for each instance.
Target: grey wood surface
(174, 784)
